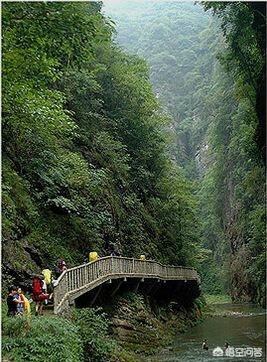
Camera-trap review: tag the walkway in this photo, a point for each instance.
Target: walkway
(77, 281)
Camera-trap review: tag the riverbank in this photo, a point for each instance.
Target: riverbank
(212, 299)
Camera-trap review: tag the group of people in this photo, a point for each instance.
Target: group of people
(17, 303)
(42, 293)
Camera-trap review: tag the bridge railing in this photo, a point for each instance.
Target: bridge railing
(81, 276)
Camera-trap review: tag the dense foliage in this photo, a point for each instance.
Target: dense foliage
(209, 72)
(84, 337)
(85, 154)
(93, 327)
(32, 339)
(238, 141)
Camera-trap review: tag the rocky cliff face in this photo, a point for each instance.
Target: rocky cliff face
(20, 262)
(141, 326)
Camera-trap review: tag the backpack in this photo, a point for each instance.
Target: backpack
(47, 276)
(27, 307)
(37, 285)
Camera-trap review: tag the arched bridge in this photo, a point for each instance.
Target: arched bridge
(75, 282)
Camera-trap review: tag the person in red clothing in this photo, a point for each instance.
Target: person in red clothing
(38, 295)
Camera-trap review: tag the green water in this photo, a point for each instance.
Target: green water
(240, 325)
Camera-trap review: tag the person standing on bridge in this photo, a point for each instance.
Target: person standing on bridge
(60, 268)
(48, 281)
(38, 294)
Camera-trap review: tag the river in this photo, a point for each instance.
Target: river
(242, 326)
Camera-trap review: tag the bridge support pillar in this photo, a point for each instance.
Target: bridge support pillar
(116, 289)
(136, 286)
(66, 308)
(72, 303)
(96, 295)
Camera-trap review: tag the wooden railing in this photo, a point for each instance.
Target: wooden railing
(77, 281)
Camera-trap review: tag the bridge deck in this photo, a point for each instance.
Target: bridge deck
(76, 281)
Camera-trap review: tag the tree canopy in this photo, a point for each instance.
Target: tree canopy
(85, 151)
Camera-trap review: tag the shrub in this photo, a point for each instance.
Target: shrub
(40, 338)
(94, 330)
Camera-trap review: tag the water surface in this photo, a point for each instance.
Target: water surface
(242, 326)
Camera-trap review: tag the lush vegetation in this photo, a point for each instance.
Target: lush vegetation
(85, 152)
(32, 339)
(209, 72)
(83, 337)
(93, 327)
(238, 142)
(100, 149)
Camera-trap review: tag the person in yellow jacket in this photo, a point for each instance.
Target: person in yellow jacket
(25, 304)
(47, 276)
(93, 255)
(48, 280)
